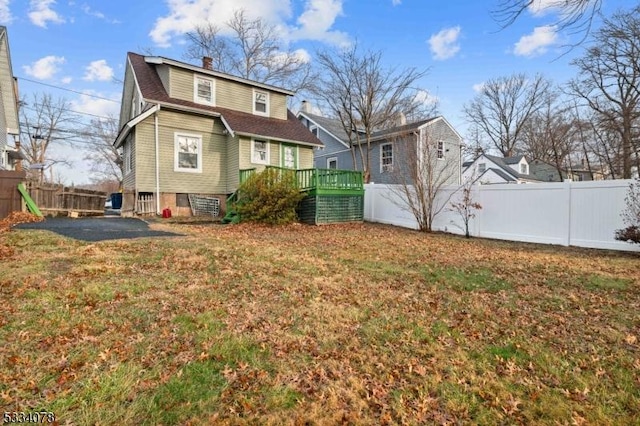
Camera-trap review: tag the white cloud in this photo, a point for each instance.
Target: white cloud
(478, 87)
(542, 7)
(98, 71)
(66, 80)
(444, 45)
(426, 98)
(185, 15)
(97, 14)
(537, 42)
(5, 13)
(100, 106)
(314, 23)
(44, 68)
(396, 2)
(40, 12)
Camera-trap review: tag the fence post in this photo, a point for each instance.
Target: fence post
(569, 212)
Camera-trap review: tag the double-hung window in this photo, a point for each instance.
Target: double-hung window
(204, 90)
(386, 157)
(440, 152)
(259, 152)
(188, 153)
(260, 102)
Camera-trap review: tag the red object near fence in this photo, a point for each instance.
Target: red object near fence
(166, 213)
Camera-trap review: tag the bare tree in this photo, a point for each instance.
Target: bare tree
(631, 215)
(105, 160)
(366, 96)
(465, 206)
(41, 123)
(422, 169)
(251, 49)
(609, 82)
(574, 15)
(503, 106)
(550, 135)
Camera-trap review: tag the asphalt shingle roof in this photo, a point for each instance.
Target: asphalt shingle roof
(290, 129)
(334, 127)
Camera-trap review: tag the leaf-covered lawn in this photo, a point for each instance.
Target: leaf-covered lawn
(360, 324)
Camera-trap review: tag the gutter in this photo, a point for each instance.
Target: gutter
(157, 146)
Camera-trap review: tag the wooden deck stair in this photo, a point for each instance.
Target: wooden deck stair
(331, 195)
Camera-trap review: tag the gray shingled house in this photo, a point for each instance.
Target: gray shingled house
(386, 163)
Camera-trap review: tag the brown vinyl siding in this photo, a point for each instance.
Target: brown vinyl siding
(165, 77)
(233, 164)
(278, 106)
(305, 157)
(212, 179)
(229, 94)
(181, 84)
(127, 94)
(144, 159)
(129, 179)
(234, 96)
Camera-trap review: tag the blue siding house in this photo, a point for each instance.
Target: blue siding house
(386, 163)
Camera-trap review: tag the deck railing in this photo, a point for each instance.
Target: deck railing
(319, 179)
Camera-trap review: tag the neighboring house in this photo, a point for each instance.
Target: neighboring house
(582, 172)
(187, 129)
(384, 155)
(9, 124)
(489, 169)
(546, 172)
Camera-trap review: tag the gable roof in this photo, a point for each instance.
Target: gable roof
(330, 126)
(504, 163)
(8, 87)
(335, 129)
(153, 91)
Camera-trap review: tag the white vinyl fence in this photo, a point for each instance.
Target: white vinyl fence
(583, 214)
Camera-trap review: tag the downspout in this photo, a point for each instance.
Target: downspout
(157, 143)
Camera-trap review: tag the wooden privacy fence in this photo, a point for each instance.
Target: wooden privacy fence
(59, 199)
(10, 199)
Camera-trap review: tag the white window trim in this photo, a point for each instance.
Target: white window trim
(268, 159)
(389, 166)
(296, 156)
(199, 100)
(330, 159)
(176, 151)
(312, 128)
(267, 103)
(439, 151)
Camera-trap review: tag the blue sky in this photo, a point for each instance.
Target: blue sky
(76, 48)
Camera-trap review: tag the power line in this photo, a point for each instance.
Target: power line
(70, 110)
(68, 90)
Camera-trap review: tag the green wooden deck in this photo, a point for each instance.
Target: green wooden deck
(321, 181)
(331, 195)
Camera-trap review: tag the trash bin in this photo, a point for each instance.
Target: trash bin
(116, 200)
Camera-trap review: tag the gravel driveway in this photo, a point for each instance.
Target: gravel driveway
(97, 228)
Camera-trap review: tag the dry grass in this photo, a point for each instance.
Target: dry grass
(360, 324)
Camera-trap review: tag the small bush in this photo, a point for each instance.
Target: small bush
(269, 197)
(631, 215)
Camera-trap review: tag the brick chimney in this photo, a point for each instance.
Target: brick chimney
(207, 63)
(306, 106)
